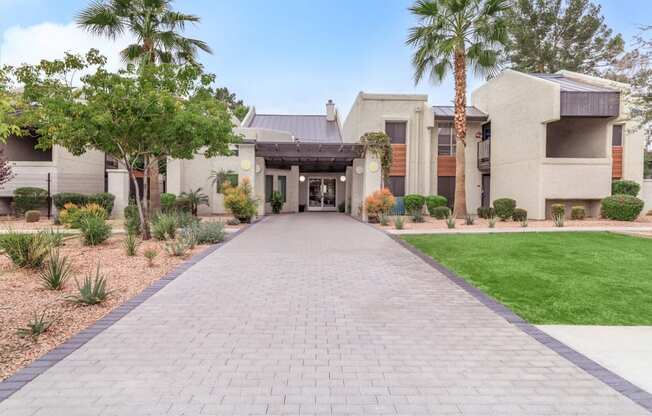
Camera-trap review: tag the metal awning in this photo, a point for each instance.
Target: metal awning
(310, 157)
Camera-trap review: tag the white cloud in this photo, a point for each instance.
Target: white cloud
(51, 40)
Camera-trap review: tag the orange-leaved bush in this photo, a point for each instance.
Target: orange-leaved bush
(380, 202)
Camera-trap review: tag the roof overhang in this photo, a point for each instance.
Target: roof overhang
(310, 157)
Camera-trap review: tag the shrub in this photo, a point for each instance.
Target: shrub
(93, 291)
(450, 222)
(380, 202)
(240, 201)
(486, 212)
(578, 213)
(469, 220)
(32, 216)
(413, 202)
(28, 199)
(167, 201)
(276, 201)
(190, 235)
(95, 230)
(185, 219)
(621, 207)
(524, 222)
(492, 222)
(625, 187)
(54, 237)
(399, 222)
(150, 255)
(434, 201)
(56, 272)
(519, 214)
(383, 219)
(73, 216)
(132, 219)
(164, 226)
(233, 221)
(182, 204)
(177, 247)
(37, 326)
(441, 212)
(103, 199)
(504, 208)
(130, 244)
(417, 216)
(195, 198)
(210, 233)
(25, 250)
(558, 220)
(558, 209)
(64, 198)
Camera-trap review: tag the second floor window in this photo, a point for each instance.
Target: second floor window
(446, 139)
(397, 131)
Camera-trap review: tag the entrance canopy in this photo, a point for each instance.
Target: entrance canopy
(310, 157)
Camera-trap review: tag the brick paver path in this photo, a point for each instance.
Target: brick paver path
(314, 314)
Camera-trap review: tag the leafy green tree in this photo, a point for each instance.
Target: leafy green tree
(135, 115)
(237, 107)
(451, 36)
(156, 28)
(7, 106)
(551, 35)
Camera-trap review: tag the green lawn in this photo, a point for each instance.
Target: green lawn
(554, 278)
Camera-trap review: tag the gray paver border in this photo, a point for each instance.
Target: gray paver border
(23, 376)
(611, 379)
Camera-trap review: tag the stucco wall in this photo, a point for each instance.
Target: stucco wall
(292, 186)
(84, 174)
(518, 106)
(646, 195)
(370, 112)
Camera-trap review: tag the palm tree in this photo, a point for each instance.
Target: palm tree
(451, 35)
(155, 27)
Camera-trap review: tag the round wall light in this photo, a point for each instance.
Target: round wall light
(342, 178)
(373, 167)
(302, 178)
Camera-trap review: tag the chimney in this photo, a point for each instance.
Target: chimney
(331, 112)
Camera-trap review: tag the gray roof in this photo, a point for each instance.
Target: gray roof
(572, 85)
(447, 112)
(305, 128)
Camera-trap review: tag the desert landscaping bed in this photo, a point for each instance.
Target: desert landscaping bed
(22, 295)
(479, 223)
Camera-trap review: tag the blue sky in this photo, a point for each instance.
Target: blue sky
(284, 56)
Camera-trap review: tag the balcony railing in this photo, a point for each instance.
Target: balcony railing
(484, 155)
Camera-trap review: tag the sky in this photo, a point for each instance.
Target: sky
(282, 56)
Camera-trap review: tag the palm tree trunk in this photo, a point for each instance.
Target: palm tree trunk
(459, 209)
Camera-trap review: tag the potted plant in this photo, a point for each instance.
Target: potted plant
(276, 202)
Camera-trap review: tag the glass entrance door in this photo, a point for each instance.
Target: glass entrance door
(322, 194)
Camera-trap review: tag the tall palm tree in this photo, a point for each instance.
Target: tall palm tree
(156, 29)
(454, 35)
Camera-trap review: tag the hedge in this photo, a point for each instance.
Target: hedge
(29, 199)
(558, 210)
(519, 214)
(624, 187)
(103, 199)
(578, 213)
(486, 212)
(504, 208)
(434, 201)
(621, 207)
(441, 213)
(413, 202)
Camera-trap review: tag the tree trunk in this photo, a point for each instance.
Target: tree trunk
(145, 208)
(154, 189)
(142, 213)
(459, 209)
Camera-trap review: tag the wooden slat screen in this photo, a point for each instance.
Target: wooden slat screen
(399, 160)
(617, 162)
(445, 165)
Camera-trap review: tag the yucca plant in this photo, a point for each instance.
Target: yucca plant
(150, 255)
(55, 237)
(450, 221)
(417, 215)
(37, 326)
(399, 222)
(131, 244)
(492, 222)
(558, 220)
(93, 290)
(25, 250)
(383, 219)
(469, 220)
(524, 223)
(56, 272)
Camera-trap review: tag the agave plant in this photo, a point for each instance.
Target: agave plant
(56, 272)
(38, 325)
(450, 222)
(399, 222)
(93, 290)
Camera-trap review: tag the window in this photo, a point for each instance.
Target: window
(397, 131)
(396, 185)
(282, 186)
(486, 131)
(617, 135)
(269, 187)
(446, 139)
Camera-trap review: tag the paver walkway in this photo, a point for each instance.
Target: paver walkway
(314, 314)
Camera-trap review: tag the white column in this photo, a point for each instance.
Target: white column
(174, 176)
(260, 185)
(357, 187)
(349, 181)
(118, 186)
(371, 179)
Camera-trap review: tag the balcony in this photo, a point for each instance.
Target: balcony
(484, 156)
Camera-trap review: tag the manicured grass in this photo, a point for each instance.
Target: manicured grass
(554, 278)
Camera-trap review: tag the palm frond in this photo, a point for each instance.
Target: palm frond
(101, 19)
(132, 53)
